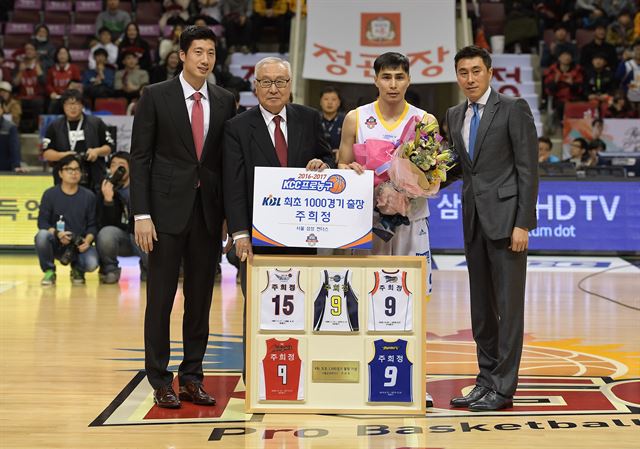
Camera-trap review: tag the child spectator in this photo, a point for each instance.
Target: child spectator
(599, 82)
(104, 42)
(8, 104)
(131, 79)
(98, 82)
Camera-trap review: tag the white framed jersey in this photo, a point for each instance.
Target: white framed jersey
(335, 308)
(390, 372)
(390, 302)
(281, 372)
(282, 301)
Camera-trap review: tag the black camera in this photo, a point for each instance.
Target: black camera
(117, 176)
(71, 250)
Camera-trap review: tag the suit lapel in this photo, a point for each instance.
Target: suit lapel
(180, 116)
(215, 112)
(457, 126)
(260, 134)
(294, 136)
(487, 117)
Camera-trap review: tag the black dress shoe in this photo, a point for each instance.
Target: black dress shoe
(193, 392)
(165, 397)
(475, 394)
(490, 402)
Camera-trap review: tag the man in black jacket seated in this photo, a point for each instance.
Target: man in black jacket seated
(115, 236)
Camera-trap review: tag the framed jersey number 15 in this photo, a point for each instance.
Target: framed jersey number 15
(285, 305)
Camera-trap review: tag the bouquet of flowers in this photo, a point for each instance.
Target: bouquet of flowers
(413, 168)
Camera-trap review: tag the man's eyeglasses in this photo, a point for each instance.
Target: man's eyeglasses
(71, 169)
(266, 84)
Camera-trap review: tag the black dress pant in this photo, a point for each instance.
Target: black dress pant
(199, 249)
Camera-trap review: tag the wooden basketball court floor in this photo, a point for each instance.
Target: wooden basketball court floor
(72, 358)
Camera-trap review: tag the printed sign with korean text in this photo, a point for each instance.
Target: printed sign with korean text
(298, 208)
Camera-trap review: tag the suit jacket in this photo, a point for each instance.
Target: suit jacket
(500, 184)
(247, 145)
(165, 171)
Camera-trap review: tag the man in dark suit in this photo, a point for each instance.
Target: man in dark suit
(273, 134)
(176, 198)
(496, 143)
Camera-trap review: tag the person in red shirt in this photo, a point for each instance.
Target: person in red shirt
(58, 78)
(30, 79)
(563, 83)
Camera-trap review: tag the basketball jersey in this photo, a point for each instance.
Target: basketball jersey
(390, 302)
(336, 305)
(281, 371)
(390, 372)
(282, 301)
(371, 125)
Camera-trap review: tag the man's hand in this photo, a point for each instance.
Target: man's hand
(243, 249)
(316, 165)
(145, 233)
(107, 191)
(64, 237)
(519, 240)
(92, 154)
(359, 169)
(84, 246)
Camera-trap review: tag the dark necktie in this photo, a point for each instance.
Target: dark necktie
(280, 142)
(197, 123)
(473, 128)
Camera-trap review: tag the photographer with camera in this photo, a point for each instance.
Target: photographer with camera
(78, 134)
(67, 225)
(115, 237)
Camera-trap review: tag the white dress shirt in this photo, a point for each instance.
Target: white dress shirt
(466, 125)
(271, 125)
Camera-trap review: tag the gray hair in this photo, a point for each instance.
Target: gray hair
(272, 60)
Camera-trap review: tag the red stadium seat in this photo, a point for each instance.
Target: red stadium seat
(27, 11)
(86, 11)
(117, 106)
(57, 12)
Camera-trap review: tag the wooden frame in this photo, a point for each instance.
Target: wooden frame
(342, 397)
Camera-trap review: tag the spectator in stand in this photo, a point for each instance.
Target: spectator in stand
(115, 236)
(104, 41)
(620, 32)
(30, 80)
(578, 153)
(130, 80)
(5, 69)
(10, 159)
(237, 24)
(113, 19)
(599, 82)
(58, 78)
(561, 43)
(629, 76)
(592, 18)
(553, 12)
(8, 104)
(331, 116)
(562, 83)
(168, 45)
(545, 146)
(98, 82)
(175, 12)
(46, 50)
(78, 134)
(597, 127)
(74, 207)
(271, 13)
(593, 153)
(170, 69)
(133, 42)
(599, 45)
(620, 107)
(211, 9)
(614, 7)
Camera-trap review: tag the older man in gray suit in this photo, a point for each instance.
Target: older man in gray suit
(495, 140)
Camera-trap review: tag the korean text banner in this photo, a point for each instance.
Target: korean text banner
(345, 37)
(19, 204)
(305, 209)
(572, 216)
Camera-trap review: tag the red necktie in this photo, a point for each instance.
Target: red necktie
(281, 144)
(197, 123)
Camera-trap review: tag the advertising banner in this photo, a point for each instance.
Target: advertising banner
(572, 216)
(299, 208)
(344, 38)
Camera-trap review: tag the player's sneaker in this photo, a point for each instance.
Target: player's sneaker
(49, 278)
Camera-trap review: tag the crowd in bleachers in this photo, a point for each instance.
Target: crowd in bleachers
(114, 50)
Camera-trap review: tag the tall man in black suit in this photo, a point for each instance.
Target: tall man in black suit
(176, 197)
(495, 139)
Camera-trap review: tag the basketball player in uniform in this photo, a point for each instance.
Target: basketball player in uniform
(385, 119)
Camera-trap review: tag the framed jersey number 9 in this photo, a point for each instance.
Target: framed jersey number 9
(286, 306)
(391, 373)
(282, 373)
(336, 305)
(390, 306)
